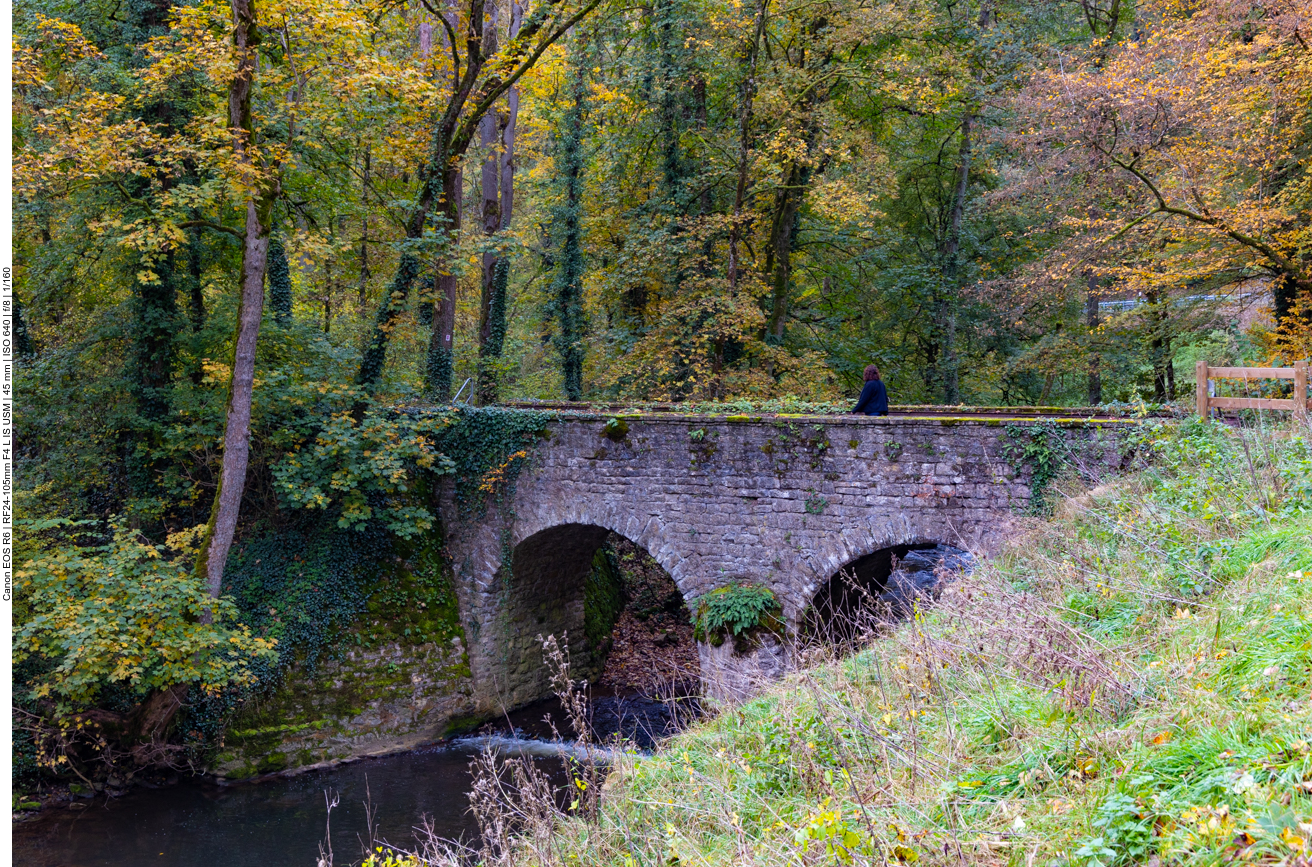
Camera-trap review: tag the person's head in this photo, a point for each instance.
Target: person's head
(872, 373)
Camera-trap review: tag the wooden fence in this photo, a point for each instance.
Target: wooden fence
(1298, 403)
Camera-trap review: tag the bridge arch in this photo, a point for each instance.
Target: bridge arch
(647, 531)
(545, 590)
(878, 587)
(863, 539)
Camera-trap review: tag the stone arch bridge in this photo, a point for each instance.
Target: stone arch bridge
(784, 501)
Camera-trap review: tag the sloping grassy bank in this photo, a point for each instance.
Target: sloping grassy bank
(1134, 679)
(1130, 683)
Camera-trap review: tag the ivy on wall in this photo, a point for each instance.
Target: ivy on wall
(301, 585)
(1042, 448)
(483, 446)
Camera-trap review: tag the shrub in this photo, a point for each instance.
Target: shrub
(131, 614)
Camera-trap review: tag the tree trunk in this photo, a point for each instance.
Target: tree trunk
(222, 526)
(945, 306)
(498, 179)
(1159, 349)
(780, 254)
(783, 238)
(149, 721)
(440, 361)
(491, 302)
(1093, 320)
(704, 202)
(280, 282)
(375, 353)
(1292, 304)
(567, 287)
(746, 93)
(508, 133)
(489, 184)
(670, 87)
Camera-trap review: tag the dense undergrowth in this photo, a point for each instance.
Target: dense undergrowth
(340, 551)
(1130, 682)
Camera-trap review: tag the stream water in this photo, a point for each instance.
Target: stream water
(279, 822)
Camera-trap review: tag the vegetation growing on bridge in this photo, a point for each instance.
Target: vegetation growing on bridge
(736, 611)
(488, 447)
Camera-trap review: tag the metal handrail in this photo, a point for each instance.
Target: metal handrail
(467, 381)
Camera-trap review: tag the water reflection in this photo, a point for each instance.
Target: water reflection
(274, 822)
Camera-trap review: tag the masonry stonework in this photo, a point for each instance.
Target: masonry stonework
(785, 502)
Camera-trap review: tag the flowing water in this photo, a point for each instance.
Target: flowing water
(280, 821)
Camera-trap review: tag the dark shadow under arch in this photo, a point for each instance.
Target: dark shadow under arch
(561, 581)
(876, 590)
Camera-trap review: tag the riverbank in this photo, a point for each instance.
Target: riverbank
(1129, 683)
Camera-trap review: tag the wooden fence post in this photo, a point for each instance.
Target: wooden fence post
(1300, 389)
(1200, 371)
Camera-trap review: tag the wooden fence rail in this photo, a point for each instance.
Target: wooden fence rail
(1297, 403)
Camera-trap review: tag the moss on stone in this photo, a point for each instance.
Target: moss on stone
(460, 724)
(616, 429)
(603, 600)
(272, 763)
(394, 671)
(414, 602)
(242, 772)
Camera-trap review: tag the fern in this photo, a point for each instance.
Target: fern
(735, 610)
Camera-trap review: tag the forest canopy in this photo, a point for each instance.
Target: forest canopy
(998, 203)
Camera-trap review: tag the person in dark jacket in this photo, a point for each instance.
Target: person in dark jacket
(874, 397)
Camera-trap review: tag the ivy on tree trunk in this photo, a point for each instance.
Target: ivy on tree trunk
(567, 286)
(280, 282)
(498, 183)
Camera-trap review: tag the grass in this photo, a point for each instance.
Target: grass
(1129, 683)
